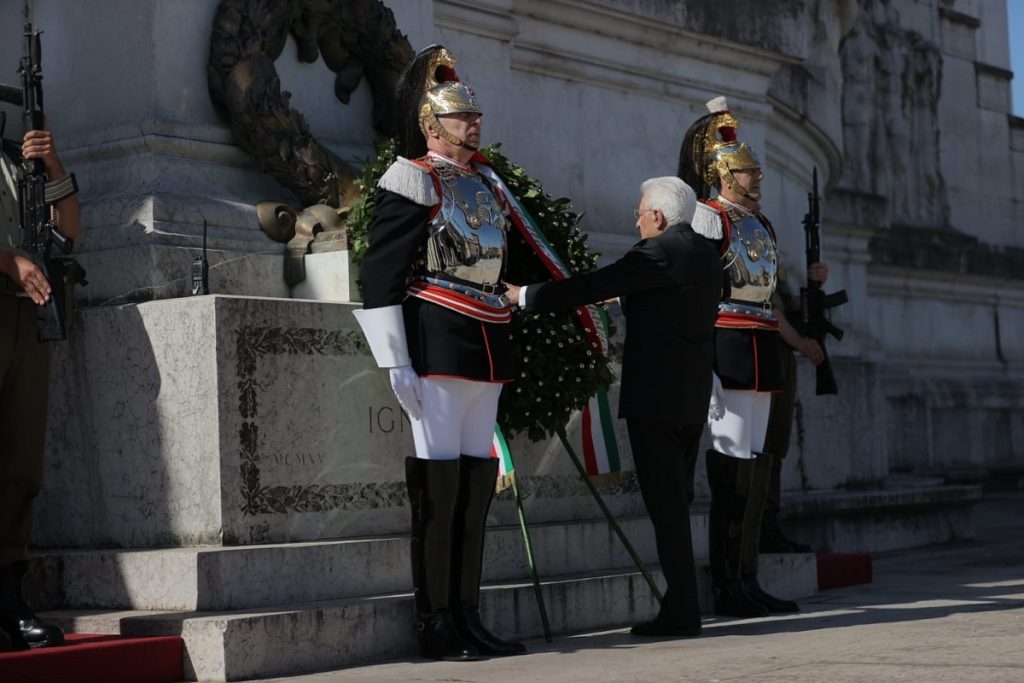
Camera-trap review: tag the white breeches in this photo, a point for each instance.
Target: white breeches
(741, 431)
(458, 418)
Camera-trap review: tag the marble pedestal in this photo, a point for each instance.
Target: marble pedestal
(330, 276)
(228, 420)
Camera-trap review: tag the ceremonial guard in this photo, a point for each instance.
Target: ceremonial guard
(746, 355)
(435, 315)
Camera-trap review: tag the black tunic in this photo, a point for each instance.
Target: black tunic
(442, 343)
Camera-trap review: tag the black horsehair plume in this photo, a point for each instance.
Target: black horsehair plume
(409, 140)
(691, 157)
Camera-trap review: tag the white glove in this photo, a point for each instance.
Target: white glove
(406, 385)
(716, 409)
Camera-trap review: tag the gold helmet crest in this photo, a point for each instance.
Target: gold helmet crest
(444, 93)
(429, 87)
(712, 150)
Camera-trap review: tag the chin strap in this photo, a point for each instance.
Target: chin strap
(444, 134)
(730, 180)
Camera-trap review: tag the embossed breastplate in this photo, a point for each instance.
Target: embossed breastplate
(467, 236)
(751, 267)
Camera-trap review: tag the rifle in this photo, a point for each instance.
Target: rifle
(40, 235)
(815, 305)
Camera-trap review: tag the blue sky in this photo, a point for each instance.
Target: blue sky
(1016, 10)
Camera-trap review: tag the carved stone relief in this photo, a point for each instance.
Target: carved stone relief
(356, 38)
(890, 97)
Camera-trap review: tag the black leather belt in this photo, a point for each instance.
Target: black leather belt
(764, 306)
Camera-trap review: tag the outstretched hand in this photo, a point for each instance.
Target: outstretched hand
(512, 292)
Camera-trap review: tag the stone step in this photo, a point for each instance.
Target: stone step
(294, 638)
(229, 578)
(215, 578)
(906, 515)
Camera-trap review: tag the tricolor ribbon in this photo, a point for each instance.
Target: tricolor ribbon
(506, 469)
(600, 450)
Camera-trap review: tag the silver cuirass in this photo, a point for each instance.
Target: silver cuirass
(751, 267)
(467, 236)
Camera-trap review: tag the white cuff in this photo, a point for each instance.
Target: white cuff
(384, 329)
(522, 297)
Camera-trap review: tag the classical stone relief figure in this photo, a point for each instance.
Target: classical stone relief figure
(893, 141)
(925, 71)
(858, 60)
(891, 79)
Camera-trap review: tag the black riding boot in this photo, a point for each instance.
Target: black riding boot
(477, 477)
(773, 540)
(24, 629)
(433, 487)
(725, 526)
(760, 475)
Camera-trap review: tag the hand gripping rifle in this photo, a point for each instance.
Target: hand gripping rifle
(815, 305)
(40, 235)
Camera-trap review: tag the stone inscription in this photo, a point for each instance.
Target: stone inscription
(262, 498)
(299, 460)
(385, 420)
(258, 497)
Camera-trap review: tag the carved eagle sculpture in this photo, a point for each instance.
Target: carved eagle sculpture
(356, 38)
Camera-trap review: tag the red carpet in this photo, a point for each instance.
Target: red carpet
(86, 658)
(838, 570)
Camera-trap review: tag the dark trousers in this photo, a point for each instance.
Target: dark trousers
(665, 455)
(24, 385)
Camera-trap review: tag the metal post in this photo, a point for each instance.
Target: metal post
(533, 567)
(608, 514)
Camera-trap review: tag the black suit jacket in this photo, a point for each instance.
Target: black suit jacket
(671, 286)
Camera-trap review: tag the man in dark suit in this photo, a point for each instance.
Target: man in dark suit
(671, 283)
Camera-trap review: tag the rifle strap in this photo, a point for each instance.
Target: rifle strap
(57, 190)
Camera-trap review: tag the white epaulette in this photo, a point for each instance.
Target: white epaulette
(707, 222)
(410, 180)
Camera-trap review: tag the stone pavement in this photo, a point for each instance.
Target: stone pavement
(945, 613)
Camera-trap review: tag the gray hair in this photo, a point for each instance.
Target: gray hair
(675, 199)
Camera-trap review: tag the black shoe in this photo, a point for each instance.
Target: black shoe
(730, 600)
(439, 639)
(37, 633)
(486, 642)
(769, 602)
(23, 628)
(666, 629)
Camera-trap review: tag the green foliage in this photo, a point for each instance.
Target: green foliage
(559, 367)
(360, 215)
